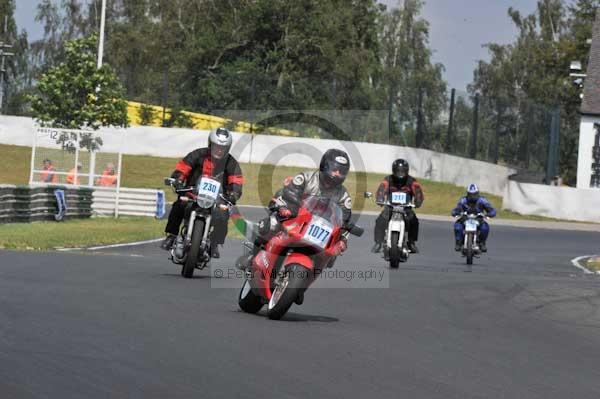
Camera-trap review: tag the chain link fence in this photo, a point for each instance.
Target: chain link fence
(74, 157)
(514, 132)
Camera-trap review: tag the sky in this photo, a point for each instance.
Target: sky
(458, 30)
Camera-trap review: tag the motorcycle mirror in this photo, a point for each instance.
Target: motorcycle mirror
(169, 181)
(368, 194)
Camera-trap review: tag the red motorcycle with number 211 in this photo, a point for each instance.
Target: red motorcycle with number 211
(290, 261)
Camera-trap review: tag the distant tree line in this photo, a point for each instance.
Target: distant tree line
(215, 55)
(208, 55)
(528, 79)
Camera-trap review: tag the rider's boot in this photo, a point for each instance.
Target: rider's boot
(243, 262)
(412, 247)
(458, 246)
(267, 227)
(376, 248)
(300, 298)
(167, 243)
(214, 251)
(482, 246)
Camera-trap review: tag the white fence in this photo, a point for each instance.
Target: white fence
(128, 202)
(286, 151)
(552, 201)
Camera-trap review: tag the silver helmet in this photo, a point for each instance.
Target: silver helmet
(219, 141)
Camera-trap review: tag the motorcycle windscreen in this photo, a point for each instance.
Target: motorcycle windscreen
(326, 217)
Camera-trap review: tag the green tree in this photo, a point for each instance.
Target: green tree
(62, 20)
(16, 79)
(258, 54)
(412, 84)
(75, 94)
(525, 80)
(146, 114)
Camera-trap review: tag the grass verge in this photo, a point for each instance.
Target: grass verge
(81, 233)
(78, 233)
(593, 264)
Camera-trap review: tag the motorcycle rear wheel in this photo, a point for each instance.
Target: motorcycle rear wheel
(285, 294)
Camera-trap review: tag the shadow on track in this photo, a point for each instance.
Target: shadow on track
(192, 278)
(295, 317)
(291, 316)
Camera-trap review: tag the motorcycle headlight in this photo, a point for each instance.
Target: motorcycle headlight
(396, 216)
(205, 202)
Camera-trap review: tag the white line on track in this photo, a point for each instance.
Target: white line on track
(128, 244)
(578, 265)
(519, 223)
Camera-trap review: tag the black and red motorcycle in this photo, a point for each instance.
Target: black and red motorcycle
(192, 246)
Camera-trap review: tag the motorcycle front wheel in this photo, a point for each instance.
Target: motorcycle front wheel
(469, 252)
(395, 250)
(188, 267)
(292, 284)
(248, 301)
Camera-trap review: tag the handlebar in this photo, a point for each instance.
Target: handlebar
(354, 229)
(169, 181)
(227, 202)
(474, 215)
(384, 203)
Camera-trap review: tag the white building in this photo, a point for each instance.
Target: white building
(588, 160)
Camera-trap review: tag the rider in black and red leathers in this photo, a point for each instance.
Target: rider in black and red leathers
(215, 162)
(399, 180)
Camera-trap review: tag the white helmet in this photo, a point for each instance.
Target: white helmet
(219, 141)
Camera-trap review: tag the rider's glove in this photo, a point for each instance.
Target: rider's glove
(340, 247)
(284, 213)
(224, 203)
(232, 197)
(178, 184)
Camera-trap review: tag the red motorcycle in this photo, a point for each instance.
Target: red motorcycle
(292, 259)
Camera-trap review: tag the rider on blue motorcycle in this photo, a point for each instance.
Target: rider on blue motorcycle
(473, 202)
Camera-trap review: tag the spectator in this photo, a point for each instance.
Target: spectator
(109, 177)
(556, 181)
(48, 174)
(73, 176)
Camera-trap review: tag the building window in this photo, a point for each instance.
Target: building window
(595, 179)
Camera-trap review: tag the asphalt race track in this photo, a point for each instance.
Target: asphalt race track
(122, 323)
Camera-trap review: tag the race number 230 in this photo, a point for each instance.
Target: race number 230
(207, 186)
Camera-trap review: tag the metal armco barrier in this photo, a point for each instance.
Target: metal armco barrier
(127, 202)
(36, 203)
